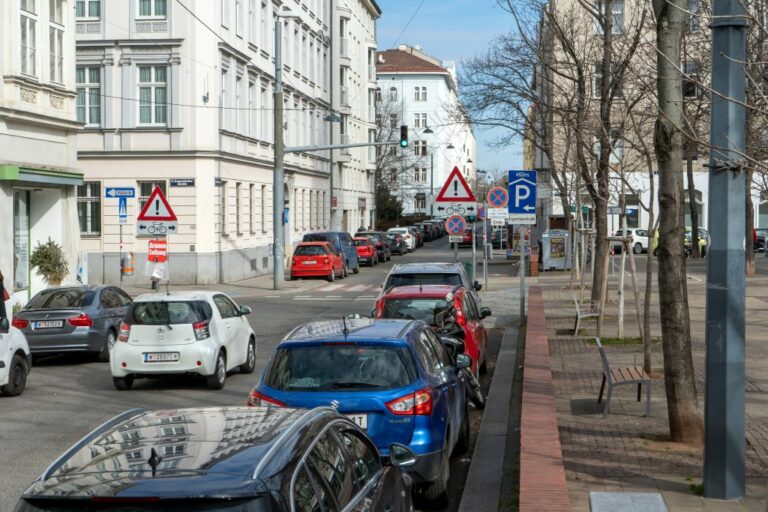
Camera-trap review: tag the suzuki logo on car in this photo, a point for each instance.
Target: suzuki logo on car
(335, 404)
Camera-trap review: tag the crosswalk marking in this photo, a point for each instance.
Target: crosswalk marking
(329, 288)
(359, 288)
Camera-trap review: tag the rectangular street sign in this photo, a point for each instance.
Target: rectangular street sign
(455, 239)
(614, 210)
(182, 182)
(522, 197)
(498, 222)
(122, 210)
(120, 192)
(497, 213)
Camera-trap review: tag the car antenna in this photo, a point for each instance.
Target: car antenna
(346, 330)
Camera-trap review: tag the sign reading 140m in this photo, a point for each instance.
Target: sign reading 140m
(522, 197)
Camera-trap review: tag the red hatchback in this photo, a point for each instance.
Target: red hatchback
(316, 259)
(366, 250)
(424, 302)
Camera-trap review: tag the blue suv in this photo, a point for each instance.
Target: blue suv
(341, 242)
(394, 378)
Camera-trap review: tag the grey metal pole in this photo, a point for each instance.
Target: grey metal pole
(474, 253)
(455, 252)
(522, 274)
(278, 193)
(724, 422)
(121, 255)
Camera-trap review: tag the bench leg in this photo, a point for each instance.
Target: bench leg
(648, 398)
(639, 390)
(607, 407)
(602, 388)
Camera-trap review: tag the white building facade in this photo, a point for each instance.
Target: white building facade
(354, 85)
(419, 91)
(181, 97)
(38, 130)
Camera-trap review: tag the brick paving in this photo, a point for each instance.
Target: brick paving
(630, 452)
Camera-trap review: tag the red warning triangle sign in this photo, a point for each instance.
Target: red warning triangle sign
(456, 189)
(157, 207)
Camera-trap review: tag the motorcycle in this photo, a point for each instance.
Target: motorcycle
(452, 337)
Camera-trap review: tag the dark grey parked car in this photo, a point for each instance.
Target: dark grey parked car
(226, 459)
(74, 319)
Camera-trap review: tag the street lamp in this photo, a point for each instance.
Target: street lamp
(278, 181)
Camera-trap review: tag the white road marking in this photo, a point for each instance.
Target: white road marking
(329, 288)
(358, 288)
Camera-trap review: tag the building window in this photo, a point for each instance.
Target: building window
(616, 86)
(89, 95)
(89, 208)
(56, 56)
(88, 9)
(419, 93)
(252, 208)
(145, 190)
(420, 148)
(224, 207)
(238, 208)
(420, 120)
(420, 202)
(152, 95)
(152, 8)
(690, 80)
(263, 24)
(393, 121)
(421, 174)
(56, 9)
(238, 18)
(263, 208)
(393, 94)
(694, 15)
(28, 38)
(617, 11)
(617, 146)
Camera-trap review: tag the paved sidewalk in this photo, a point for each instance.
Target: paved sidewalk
(628, 452)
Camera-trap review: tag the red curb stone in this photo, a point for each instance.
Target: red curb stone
(542, 473)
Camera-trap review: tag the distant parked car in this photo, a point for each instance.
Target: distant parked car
(467, 238)
(761, 236)
(73, 319)
(410, 238)
(226, 459)
(202, 333)
(341, 241)
(379, 240)
(15, 360)
(639, 241)
(419, 234)
(394, 378)
(397, 243)
(316, 259)
(365, 250)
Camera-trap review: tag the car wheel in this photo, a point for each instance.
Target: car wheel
(656, 251)
(344, 271)
(462, 444)
(250, 361)
(356, 270)
(637, 249)
(219, 376)
(436, 493)
(123, 383)
(332, 276)
(107, 348)
(17, 377)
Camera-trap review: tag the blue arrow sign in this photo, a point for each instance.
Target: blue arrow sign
(122, 210)
(522, 192)
(120, 192)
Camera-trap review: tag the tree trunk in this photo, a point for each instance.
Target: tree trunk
(695, 253)
(749, 221)
(685, 420)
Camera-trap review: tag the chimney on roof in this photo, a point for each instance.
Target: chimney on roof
(417, 47)
(403, 47)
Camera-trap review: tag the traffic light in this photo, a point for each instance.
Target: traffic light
(404, 136)
(471, 218)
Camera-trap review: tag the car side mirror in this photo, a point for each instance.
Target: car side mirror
(477, 286)
(245, 310)
(400, 456)
(485, 312)
(5, 325)
(453, 345)
(463, 361)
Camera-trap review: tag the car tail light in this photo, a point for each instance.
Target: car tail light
(125, 331)
(461, 318)
(202, 331)
(81, 320)
(326, 261)
(256, 399)
(379, 309)
(19, 323)
(416, 404)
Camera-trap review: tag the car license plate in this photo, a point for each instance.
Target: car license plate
(161, 357)
(360, 419)
(310, 263)
(47, 324)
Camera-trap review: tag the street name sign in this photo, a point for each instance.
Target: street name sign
(522, 197)
(157, 217)
(498, 222)
(120, 192)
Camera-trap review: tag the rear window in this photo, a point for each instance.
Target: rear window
(168, 313)
(360, 243)
(317, 237)
(62, 298)
(310, 250)
(341, 367)
(414, 309)
(416, 279)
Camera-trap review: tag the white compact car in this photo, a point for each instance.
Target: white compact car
(410, 240)
(15, 360)
(203, 333)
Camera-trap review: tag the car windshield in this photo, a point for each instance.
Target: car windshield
(360, 243)
(425, 278)
(423, 309)
(340, 366)
(310, 250)
(168, 312)
(62, 298)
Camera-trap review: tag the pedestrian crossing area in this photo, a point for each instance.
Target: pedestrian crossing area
(339, 292)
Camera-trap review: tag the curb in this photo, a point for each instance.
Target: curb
(482, 488)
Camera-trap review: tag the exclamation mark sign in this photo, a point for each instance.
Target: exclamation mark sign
(157, 207)
(455, 188)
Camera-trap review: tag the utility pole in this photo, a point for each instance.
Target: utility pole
(278, 187)
(724, 421)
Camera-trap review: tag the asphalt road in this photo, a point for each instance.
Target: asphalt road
(68, 396)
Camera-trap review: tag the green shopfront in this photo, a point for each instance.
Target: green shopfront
(35, 205)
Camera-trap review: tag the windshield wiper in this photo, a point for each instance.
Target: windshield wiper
(339, 385)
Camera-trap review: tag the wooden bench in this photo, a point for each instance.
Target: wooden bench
(584, 310)
(621, 376)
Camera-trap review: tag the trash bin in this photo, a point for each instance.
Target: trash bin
(127, 263)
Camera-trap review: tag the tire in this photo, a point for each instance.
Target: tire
(474, 390)
(356, 270)
(219, 377)
(107, 348)
(436, 493)
(484, 366)
(332, 276)
(637, 248)
(656, 251)
(344, 271)
(250, 362)
(123, 383)
(17, 377)
(462, 444)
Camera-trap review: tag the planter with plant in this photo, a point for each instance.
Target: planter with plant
(50, 261)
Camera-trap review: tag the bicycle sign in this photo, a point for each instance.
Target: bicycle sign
(455, 225)
(156, 217)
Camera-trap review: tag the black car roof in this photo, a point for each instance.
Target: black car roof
(201, 452)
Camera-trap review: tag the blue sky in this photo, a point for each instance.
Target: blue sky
(451, 30)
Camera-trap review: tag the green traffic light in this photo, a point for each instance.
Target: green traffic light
(403, 143)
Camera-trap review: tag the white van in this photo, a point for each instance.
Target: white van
(15, 360)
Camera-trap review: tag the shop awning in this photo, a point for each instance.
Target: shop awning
(11, 172)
